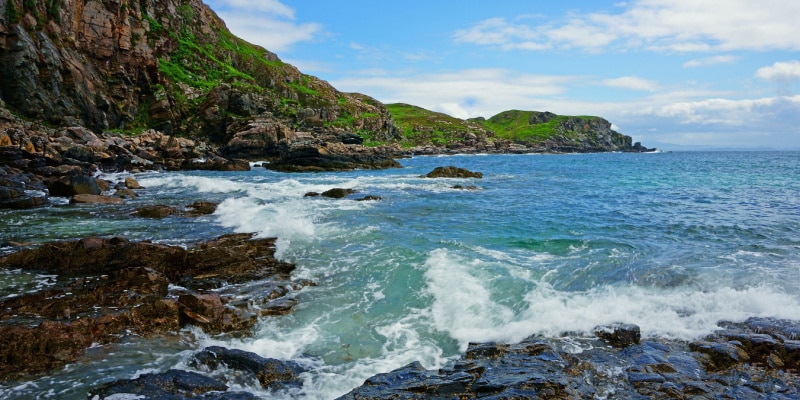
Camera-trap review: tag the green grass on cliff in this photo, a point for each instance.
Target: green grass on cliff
(520, 126)
(420, 126)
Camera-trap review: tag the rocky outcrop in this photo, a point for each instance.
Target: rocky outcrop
(752, 360)
(332, 157)
(110, 286)
(452, 172)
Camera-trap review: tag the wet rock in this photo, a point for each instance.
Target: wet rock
(95, 199)
(469, 187)
(156, 211)
(337, 193)
(311, 194)
(110, 286)
(125, 194)
(172, 384)
(208, 312)
(452, 172)
(132, 183)
(73, 185)
(716, 367)
(370, 198)
(202, 207)
(332, 157)
(271, 373)
(619, 335)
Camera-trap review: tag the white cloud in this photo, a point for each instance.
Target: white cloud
(463, 94)
(268, 23)
(709, 61)
(780, 72)
(271, 7)
(657, 25)
(632, 83)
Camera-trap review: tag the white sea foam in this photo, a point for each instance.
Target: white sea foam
(467, 307)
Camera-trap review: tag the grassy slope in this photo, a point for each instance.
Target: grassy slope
(420, 126)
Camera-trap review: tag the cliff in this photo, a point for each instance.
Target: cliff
(126, 66)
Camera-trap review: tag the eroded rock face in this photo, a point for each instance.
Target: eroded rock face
(108, 286)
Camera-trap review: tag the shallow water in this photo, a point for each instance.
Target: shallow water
(673, 242)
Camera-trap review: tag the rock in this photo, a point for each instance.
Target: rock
(337, 193)
(208, 312)
(73, 185)
(619, 335)
(369, 198)
(125, 194)
(216, 164)
(202, 207)
(271, 373)
(332, 157)
(469, 187)
(132, 183)
(156, 211)
(172, 384)
(311, 194)
(95, 199)
(452, 172)
(540, 367)
(117, 286)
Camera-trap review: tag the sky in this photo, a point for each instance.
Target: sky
(673, 74)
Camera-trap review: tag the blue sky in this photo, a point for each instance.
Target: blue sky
(674, 74)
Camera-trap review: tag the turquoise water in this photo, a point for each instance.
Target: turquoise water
(673, 242)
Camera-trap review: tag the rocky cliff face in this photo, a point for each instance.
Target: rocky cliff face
(171, 65)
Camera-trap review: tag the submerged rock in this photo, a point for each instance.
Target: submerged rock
(156, 211)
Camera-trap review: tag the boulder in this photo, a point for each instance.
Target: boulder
(337, 193)
(202, 207)
(171, 384)
(73, 185)
(271, 373)
(132, 183)
(452, 172)
(332, 157)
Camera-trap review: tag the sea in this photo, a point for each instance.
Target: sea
(551, 245)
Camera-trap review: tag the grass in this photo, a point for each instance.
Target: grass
(520, 126)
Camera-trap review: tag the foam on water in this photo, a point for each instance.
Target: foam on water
(465, 306)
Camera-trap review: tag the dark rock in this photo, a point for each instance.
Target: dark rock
(337, 193)
(311, 194)
(332, 157)
(619, 335)
(370, 198)
(216, 164)
(156, 211)
(95, 199)
(271, 373)
(470, 187)
(172, 384)
(452, 172)
(73, 185)
(202, 207)
(208, 312)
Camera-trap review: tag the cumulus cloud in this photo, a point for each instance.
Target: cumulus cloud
(268, 23)
(780, 72)
(632, 83)
(656, 25)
